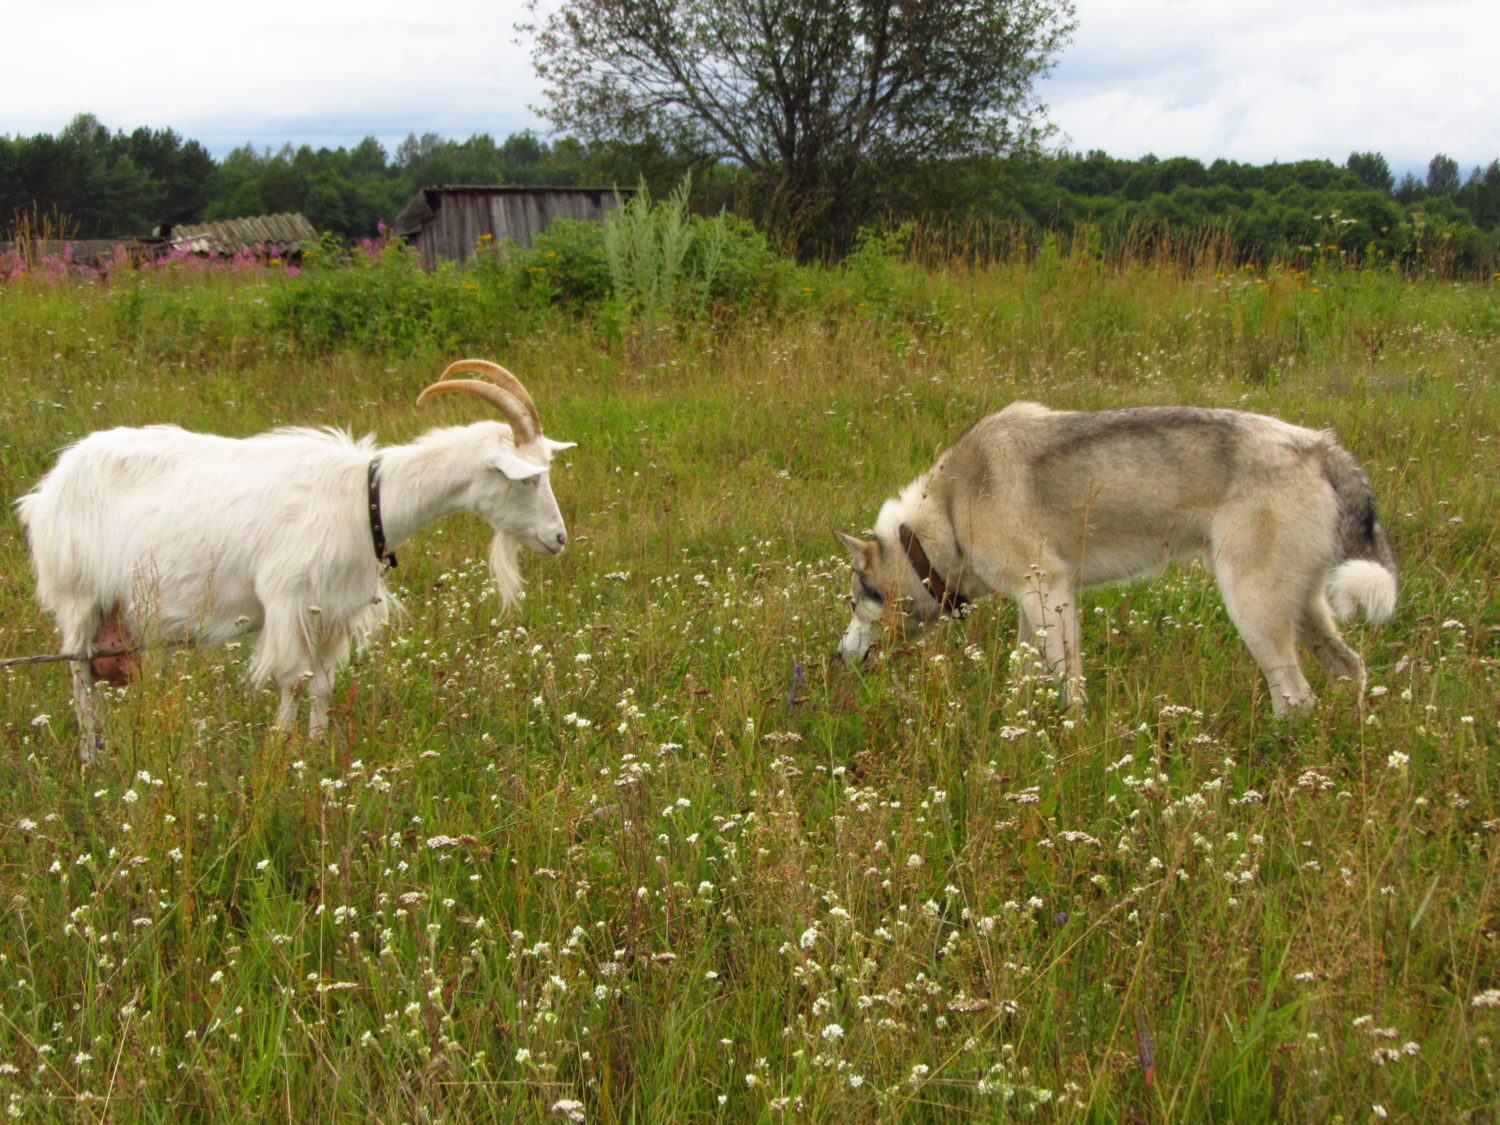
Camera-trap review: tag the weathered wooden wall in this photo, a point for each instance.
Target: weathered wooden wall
(446, 223)
(92, 252)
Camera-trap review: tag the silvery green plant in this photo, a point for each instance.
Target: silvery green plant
(655, 276)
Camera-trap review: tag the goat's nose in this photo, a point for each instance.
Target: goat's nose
(562, 538)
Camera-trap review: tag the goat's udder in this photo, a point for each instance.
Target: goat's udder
(122, 667)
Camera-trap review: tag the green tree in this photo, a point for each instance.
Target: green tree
(1372, 169)
(824, 104)
(1481, 196)
(85, 173)
(1410, 189)
(1442, 175)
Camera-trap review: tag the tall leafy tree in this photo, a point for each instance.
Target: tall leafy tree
(1481, 195)
(826, 104)
(1442, 175)
(1372, 169)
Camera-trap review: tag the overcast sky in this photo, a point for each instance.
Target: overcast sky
(1272, 80)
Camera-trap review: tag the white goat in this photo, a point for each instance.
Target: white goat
(158, 534)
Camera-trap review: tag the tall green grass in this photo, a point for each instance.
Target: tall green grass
(645, 848)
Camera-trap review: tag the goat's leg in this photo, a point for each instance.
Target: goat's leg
(79, 623)
(281, 655)
(320, 688)
(86, 707)
(330, 657)
(286, 714)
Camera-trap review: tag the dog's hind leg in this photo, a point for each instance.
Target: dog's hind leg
(1265, 611)
(1317, 633)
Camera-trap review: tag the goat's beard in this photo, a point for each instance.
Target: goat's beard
(504, 570)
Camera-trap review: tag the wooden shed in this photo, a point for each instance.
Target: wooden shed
(446, 222)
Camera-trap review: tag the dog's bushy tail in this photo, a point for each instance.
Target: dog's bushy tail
(1365, 577)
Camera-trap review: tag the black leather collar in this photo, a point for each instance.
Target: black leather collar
(950, 601)
(377, 528)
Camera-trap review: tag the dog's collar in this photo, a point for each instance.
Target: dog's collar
(950, 601)
(386, 557)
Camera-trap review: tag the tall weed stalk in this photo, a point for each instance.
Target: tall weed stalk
(662, 261)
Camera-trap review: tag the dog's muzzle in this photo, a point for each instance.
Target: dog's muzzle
(864, 627)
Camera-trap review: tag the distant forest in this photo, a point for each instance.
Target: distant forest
(115, 184)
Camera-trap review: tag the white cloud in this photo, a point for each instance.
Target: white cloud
(319, 72)
(1273, 80)
(1282, 79)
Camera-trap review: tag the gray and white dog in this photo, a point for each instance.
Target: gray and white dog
(1037, 503)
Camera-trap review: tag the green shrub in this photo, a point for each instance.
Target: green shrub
(566, 264)
(382, 301)
(874, 269)
(157, 315)
(749, 272)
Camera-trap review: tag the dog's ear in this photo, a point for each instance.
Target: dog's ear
(860, 550)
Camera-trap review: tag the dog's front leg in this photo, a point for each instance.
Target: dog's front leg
(1072, 651)
(1028, 644)
(1052, 607)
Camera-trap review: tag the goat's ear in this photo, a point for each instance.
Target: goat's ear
(515, 467)
(557, 446)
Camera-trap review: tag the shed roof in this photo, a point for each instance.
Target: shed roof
(282, 234)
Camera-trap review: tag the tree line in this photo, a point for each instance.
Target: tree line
(1281, 210)
(104, 184)
(116, 184)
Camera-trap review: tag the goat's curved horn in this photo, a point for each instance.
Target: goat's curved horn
(509, 405)
(502, 377)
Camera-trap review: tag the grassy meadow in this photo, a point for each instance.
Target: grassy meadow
(643, 852)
